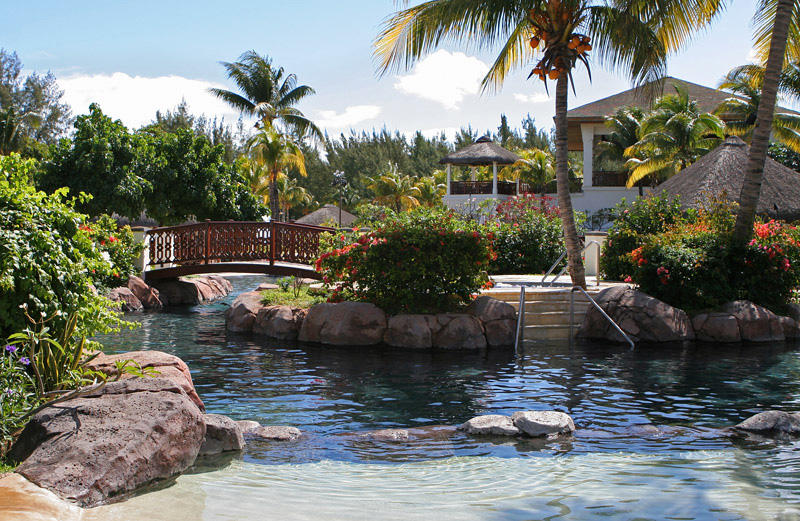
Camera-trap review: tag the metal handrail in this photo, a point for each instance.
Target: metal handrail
(546, 284)
(597, 306)
(519, 337)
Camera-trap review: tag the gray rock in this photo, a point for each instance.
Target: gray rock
(490, 424)
(791, 328)
(488, 309)
(411, 331)
(192, 290)
(222, 435)
(756, 324)
(716, 327)
(771, 422)
(543, 423)
(275, 433)
(149, 297)
(111, 442)
(500, 332)
(247, 426)
(459, 331)
(129, 301)
(241, 316)
(282, 322)
(387, 435)
(794, 311)
(344, 323)
(266, 286)
(642, 317)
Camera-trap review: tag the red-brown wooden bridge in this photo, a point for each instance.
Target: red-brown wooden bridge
(274, 248)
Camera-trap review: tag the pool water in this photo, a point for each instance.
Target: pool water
(647, 445)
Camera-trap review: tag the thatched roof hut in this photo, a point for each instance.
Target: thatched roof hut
(483, 152)
(722, 171)
(327, 214)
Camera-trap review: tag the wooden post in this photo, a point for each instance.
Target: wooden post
(208, 241)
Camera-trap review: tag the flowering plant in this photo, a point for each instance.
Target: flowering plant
(17, 392)
(419, 261)
(117, 247)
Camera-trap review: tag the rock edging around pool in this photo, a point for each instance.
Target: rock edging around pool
(487, 322)
(137, 295)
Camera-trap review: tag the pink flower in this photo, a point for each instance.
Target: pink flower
(628, 279)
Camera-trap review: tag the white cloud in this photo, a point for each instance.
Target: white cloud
(537, 97)
(752, 56)
(444, 77)
(135, 99)
(352, 115)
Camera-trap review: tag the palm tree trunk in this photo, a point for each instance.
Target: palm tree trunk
(574, 260)
(754, 174)
(274, 203)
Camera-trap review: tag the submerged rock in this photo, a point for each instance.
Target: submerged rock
(222, 435)
(543, 423)
(771, 423)
(387, 435)
(490, 424)
(111, 442)
(275, 433)
(247, 426)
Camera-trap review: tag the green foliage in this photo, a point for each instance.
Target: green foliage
(302, 297)
(419, 261)
(117, 246)
(45, 259)
(17, 393)
(634, 223)
(784, 155)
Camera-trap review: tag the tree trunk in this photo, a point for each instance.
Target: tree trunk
(274, 203)
(574, 260)
(754, 173)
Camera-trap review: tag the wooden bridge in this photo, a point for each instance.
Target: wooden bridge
(273, 248)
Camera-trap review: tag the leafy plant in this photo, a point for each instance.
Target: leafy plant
(284, 283)
(17, 393)
(303, 297)
(117, 246)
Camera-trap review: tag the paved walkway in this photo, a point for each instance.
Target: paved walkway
(515, 281)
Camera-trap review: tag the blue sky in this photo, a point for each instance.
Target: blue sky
(135, 57)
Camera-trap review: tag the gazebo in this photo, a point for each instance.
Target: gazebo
(722, 171)
(483, 152)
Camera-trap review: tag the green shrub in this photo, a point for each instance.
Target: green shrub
(117, 246)
(419, 261)
(633, 224)
(17, 392)
(46, 261)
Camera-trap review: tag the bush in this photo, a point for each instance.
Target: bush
(527, 233)
(45, 259)
(117, 246)
(633, 224)
(17, 393)
(419, 261)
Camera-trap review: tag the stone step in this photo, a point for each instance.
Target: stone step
(538, 295)
(556, 318)
(550, 307)
(547, 332)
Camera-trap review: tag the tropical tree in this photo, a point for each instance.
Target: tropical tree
(275, 153)
(745, 82)
(631, 35)
(393, 189)
(267, 93)
(430, 191)
(10, 124)
(672, 136)
(256, 176)
(291, 194)
(624, 127)
(534, 167)
(777, 15)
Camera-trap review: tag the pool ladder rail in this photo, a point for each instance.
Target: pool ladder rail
(519, 337)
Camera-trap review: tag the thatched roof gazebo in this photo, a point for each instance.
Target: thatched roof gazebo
(326, 214)
(483, 152)
(722, 171)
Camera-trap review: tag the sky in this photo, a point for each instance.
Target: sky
(134, 58)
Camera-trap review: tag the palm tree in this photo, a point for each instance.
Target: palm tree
(430, 191)
(291, 194)
(624, 127)
(631, 35)
(534, 167)
(395, 190)
(754, 173)
(672, 136)
(267, 93)
(274, 153)
(255, 175)
(745, 81)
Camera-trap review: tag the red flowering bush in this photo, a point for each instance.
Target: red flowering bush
(117, 246)
(418, 261)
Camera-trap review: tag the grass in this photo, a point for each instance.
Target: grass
(300, 298)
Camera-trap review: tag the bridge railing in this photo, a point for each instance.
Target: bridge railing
(230, 241)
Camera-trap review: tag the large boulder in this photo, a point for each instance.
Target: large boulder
(129, 302)
(21, 500)
(794, 311)
(148, 296)
(642, 317)
(168, 366)
(411, 331)
(771, 423)
(192, 290)
(459, 331)
(241, 316)
(344, 323)
(111, 442)
(756, 323)
(490, 424)
(716, 327)
(791, 328)
(282, 322)
(222, 435)
(543, 423)
(499, 320)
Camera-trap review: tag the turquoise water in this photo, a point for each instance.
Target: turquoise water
(648, 444)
